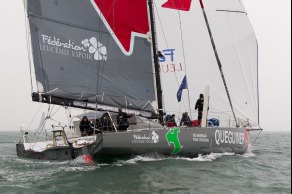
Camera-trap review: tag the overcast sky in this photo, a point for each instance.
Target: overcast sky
(272, 23)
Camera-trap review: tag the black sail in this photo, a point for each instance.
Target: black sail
(88, 56)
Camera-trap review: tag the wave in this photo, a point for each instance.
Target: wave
(207, 158)
(146, 158)
(249, 153)
(201, 158)
(157, 157)
(21, 170)
(8, 143)
(17, 170)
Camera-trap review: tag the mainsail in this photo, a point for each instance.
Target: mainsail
(184, 40)
(93, 54)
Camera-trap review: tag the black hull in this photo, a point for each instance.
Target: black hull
(192, 142)
(184, 142)
(59, 153)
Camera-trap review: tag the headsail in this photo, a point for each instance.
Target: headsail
(94, 51)
(185, 42)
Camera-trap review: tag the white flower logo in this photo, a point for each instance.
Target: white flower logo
(86, 43)
(96, 48)
(155, 137)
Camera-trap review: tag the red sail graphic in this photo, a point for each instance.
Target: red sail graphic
(125, 17)
(183, 5)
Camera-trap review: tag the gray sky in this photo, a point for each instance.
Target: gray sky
(272, 23)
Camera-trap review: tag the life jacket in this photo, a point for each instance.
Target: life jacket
(196, 123)
(170, 124)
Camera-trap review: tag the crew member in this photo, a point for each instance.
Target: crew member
(97, 126)
(86, 127)
(200, 107)
(185, 121)
(122, 120)
(171, 122)
(106, 123)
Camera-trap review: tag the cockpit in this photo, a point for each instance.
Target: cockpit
(107, 122)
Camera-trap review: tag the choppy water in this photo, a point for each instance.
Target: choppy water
(266, 169)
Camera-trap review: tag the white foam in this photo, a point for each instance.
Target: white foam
(78, 169)
(103, 165)
(201, 158)
(157, 157)
(19, 186)
(79, 160)
(139, 159)
(249, 153)
(206, 158)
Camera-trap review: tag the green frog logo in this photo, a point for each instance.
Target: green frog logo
(173, 138)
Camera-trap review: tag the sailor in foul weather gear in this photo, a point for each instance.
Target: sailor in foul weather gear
(106, 122)
(86, 127)
(122, 120)
(200, 107)
(185, 120)
(170, 122)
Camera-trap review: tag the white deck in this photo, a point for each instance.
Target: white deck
(42, 146)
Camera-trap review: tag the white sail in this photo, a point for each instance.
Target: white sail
(185, 30)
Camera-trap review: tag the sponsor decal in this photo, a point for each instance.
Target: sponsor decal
(125, 20)
(201, 138)
(229, 137)
(135, 23)
(152, 138)
(172, 137)
(96, 48)
(183, 5)
(167, 62)
(88, 49)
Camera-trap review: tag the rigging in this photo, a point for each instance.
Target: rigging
(218, 61)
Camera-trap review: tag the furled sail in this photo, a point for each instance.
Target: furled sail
(184, 40)
(93, 54)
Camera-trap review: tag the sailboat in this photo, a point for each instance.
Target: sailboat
(150, 59)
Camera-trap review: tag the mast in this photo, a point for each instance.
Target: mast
(218, 59)
(156, 60)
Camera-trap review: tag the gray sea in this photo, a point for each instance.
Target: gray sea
(266, 168)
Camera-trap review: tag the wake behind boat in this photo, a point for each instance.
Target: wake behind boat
(151, 60)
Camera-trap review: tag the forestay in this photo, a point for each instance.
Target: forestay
(184, 40)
